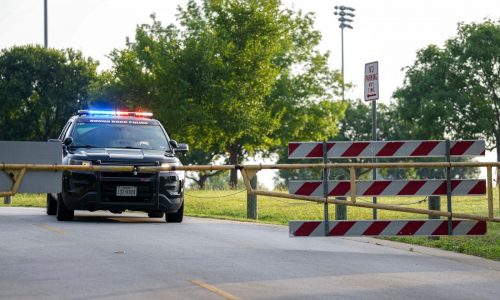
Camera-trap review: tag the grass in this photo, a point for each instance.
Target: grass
(27, 200)
(231, 205)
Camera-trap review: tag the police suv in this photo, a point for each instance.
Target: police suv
(115, 138)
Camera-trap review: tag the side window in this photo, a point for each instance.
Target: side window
(65, 129)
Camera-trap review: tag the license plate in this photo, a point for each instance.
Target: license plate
(126, 191)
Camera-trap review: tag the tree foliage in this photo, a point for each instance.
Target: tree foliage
(454, 91)
(233, 79)
(357, 126)
(40, 89)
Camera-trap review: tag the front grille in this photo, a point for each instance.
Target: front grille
(125, 174)
(146, 187)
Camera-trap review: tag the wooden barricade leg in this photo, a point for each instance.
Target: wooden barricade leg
(489, 185)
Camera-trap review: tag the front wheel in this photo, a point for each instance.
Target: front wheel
(63, 213)
(175, 217)
(51, 205)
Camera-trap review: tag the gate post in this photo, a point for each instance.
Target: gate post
(434, 204)
(252, 200)
(340, 210)
(498, 186)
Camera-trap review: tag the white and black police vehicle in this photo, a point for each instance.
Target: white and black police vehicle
(116, 138)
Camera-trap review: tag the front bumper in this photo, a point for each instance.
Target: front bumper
(162, 191)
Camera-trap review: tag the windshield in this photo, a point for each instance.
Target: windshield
(119, 134)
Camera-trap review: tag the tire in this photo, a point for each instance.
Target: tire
(63, 213)
(175, 217)
(51, 205)
(155, 214)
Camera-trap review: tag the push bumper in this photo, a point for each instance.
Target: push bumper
(98, 191)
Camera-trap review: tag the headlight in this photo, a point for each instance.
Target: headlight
(80, 162)
(180, 174)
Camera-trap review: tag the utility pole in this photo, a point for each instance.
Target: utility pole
(46, 38)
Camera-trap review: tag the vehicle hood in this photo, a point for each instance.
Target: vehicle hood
(122, 155)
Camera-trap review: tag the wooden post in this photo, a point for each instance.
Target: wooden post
(489, 185)
(434, 204)
(353, 185)
(340, 210)
(7, 200)
(252, 200)
(498, 186)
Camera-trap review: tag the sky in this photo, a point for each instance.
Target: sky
(390, 31)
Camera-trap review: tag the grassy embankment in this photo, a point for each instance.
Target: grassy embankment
(232, 205)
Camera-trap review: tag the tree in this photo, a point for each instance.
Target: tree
(354, 125)
(40, 89)
(357, 126)
(454, 91)
(106, 92)
(220, 80)
(201, 157)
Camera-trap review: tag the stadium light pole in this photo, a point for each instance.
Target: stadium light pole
(45, 31)
(346, 15)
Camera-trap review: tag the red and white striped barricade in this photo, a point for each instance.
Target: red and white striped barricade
(374, 188)
(384, 149)
(386, 228)
(430, 187)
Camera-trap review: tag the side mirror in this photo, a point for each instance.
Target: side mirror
(67, 141)
(174, 144)
(182, 148)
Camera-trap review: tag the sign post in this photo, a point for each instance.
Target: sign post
(372, 94)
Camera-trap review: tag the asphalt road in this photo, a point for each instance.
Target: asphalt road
(104, 256)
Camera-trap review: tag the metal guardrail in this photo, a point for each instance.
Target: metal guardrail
(17, 172)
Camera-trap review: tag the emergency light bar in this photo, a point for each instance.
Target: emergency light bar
(115, 113)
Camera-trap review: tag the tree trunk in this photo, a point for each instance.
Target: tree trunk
(234, 155)
(497, 141)
(201, 182)
(202, 178)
